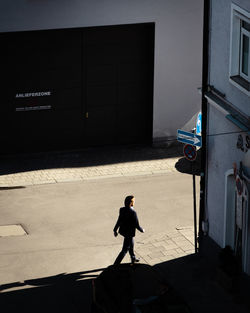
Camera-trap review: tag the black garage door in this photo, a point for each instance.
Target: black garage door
(67, 89)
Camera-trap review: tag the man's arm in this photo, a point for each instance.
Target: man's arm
(117, 225)
(137, 225)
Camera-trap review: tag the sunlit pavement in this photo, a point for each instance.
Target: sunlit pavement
(96, 163)
(68, 222)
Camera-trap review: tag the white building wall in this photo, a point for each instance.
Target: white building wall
(222, 153)
(178, 43)
(220, 52)
(222, 134)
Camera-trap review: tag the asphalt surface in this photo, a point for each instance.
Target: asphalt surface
(69, 215)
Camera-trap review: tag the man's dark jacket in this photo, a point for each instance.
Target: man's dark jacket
(127, 222)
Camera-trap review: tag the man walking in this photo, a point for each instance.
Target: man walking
(127, 223)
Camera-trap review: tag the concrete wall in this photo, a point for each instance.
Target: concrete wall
(178, 43)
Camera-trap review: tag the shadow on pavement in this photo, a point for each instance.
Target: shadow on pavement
(135, 288)
(187, 284)
(86, 157)
(11, 188)
(114, 290)
(60, 293)
(184, 285)
(190, 167)
(198, 279)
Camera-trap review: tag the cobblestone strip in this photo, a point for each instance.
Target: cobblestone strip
(167, 246)
(85, 173)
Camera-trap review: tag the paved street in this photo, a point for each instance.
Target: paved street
(69, 225)
(69, 213)
(57, 216)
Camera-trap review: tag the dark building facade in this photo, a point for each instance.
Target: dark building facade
(72, 88)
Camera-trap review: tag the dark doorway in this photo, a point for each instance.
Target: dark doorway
(119, 84)
(68, 89)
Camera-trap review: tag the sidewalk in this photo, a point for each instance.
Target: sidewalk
(92, 163)
(191, 278)
(53, 280)
(166, 246)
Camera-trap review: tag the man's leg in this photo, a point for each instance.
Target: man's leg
(131, 251)
(131, 248)
(125, 248)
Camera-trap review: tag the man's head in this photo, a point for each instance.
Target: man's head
(129, 201)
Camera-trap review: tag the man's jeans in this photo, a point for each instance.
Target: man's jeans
(128, 246)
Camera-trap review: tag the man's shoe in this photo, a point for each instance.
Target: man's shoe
(135, 260)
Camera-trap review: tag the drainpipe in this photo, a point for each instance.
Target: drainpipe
(206, 16)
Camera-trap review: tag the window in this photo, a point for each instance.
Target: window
(240, 49)
(244, 51)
